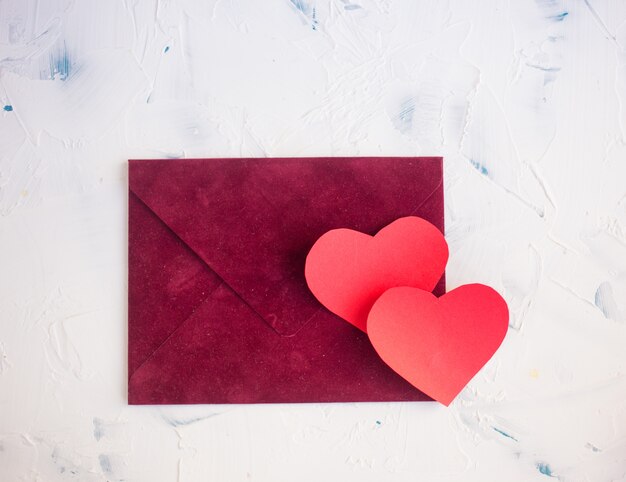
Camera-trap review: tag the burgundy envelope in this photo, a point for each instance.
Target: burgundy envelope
(218, 307)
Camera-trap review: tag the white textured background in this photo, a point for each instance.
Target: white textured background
(525, 99)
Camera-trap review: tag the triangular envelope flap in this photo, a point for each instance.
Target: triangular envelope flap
(253, 221)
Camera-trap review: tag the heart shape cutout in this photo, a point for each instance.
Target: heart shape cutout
(348, 270)
(438, 344)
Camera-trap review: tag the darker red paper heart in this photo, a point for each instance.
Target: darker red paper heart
(348, 270)
(438, 344)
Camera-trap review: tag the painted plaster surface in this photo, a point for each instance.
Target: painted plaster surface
(526, 101)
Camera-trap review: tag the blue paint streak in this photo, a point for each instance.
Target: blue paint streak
(105, 464)
(502, 432)
(545, 469)
(544, 69)
(405, 116)
(378, 422)
(479, 167)
(598, 299)
(560, 17)
(301, 5)
(304, 8)
(98, 429)
(592, 447)
(174, 422)
(167, 49)
(60, 65)
(352, 6)
(605, 302)
(8, 108)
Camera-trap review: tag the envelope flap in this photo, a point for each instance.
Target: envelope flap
(253, 221)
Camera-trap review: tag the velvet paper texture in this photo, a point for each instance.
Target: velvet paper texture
(218, 307)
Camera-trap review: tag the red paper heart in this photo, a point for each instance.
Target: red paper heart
(347, 270)
(438, 344)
